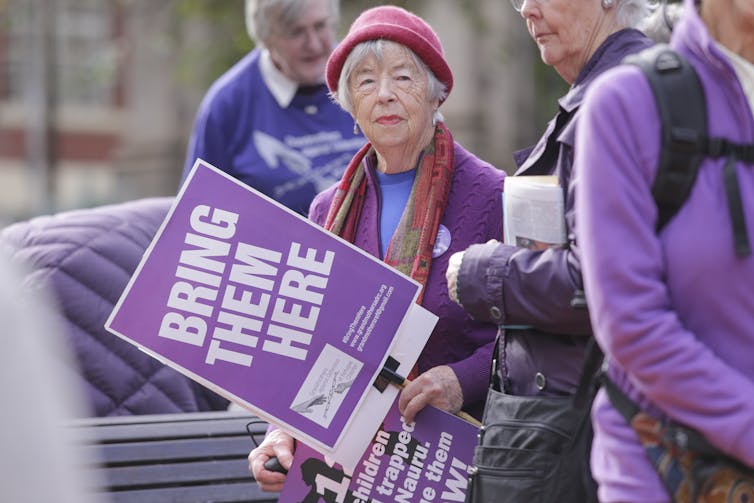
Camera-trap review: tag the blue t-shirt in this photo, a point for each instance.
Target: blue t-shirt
(395, 190)
(289, 154)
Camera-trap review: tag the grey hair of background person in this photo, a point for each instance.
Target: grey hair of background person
(261, 15)
(436, 89)
(631, 13)
(655, 26)
(42, 457)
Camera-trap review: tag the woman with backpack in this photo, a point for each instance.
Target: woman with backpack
(673, 305)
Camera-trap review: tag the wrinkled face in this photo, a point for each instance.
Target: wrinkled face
(564, 31)
(743, 14)
(731, 22)
(300, 50)
(390, 99)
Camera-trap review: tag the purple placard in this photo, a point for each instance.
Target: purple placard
(264, 306)
(421, 462)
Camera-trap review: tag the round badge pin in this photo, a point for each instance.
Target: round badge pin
(442, 243)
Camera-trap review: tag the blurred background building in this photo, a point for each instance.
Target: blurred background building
(97, 97)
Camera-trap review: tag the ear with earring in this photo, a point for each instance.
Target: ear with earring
(355, 128)
(607, 4)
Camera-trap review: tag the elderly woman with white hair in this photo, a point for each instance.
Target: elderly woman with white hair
(533, 289)
(528, 293)
(412, 196)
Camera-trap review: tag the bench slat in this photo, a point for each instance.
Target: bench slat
(108, 432)
(186, 458)
(226, 493)
(172, 450)
(177, 473)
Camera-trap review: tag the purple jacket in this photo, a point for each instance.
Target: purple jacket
(86, 257)
(674, 311)
(508, 285)
(473, 215)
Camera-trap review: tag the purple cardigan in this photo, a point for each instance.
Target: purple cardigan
(674, 311)
(516, 286)
(473, 215)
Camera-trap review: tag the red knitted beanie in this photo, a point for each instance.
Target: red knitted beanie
(396, 24)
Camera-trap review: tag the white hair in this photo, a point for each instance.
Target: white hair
(262, 15)
(436, 89)
(631, 13)
(659, 25)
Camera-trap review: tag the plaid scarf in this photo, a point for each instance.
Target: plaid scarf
(410, 249)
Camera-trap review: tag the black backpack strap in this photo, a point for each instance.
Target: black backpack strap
(684, 140)
(683, 113)
(589, 382)
(690, 439)
(720, 147)
(736, 208)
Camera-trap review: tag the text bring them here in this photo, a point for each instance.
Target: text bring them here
(248, 296)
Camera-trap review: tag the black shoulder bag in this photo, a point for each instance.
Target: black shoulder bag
(533, 448)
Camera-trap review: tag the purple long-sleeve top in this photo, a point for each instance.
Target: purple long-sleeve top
(508, 285)
(674, 311)
(473, 215)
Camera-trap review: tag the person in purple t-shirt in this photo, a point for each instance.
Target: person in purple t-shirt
(269, 121)
(412, 197)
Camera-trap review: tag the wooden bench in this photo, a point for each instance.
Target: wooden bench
(193, 457)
